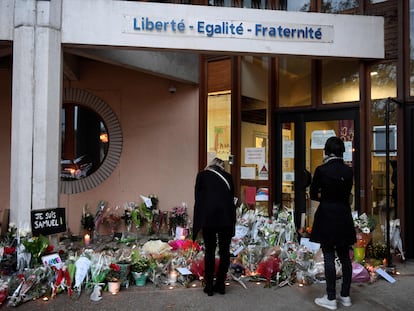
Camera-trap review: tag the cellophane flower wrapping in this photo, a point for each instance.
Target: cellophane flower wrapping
(99, 267)
(268, 268)
(197, 267)
(179, 216)
(83, 265)
(36, 246)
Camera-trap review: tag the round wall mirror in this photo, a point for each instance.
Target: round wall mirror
(91, 141)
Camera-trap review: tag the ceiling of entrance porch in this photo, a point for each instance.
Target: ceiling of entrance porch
(176, 66)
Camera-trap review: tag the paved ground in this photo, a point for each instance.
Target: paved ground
(380, 295)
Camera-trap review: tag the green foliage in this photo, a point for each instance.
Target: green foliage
(36, 246)
(377, 251)
(139, 262)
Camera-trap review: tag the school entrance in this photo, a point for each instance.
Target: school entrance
(302, 137)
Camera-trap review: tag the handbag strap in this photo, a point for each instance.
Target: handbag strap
(221, 176)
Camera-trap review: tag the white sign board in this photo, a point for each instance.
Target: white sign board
(221, 29)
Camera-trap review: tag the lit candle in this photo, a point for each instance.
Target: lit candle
(87, 239)
(173, 277)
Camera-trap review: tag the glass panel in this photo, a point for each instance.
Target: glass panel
(254, 128)
(383, 81)
(288, 165)
(316, 135)
(295, 5)
(377, 1)
(335, 6)
(383, 86)
(219, 110)
(340, 81)
(294, 82)
(84, 142)
(411, 47)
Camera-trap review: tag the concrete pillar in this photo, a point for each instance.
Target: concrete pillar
(36, 106)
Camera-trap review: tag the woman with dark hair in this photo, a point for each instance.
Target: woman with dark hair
(333, 225)
(215, 216)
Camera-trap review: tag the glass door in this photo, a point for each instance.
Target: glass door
(303, 137)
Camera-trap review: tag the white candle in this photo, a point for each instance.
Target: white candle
(87, 239)
(173, 277)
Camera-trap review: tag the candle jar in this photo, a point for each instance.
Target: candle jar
(173, 277)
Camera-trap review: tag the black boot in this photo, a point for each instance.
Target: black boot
(219, 287)
(208, 289)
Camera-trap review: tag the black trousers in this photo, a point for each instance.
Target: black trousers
(212, 236)
(330, 271)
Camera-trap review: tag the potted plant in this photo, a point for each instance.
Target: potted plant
(140, 268)
(113, 278)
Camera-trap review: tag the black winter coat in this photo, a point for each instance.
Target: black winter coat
(331, 186)
(214, 201)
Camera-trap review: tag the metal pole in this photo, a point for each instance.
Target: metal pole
(387, 180)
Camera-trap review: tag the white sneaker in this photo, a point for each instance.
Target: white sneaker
(326, 303)
(345, 301)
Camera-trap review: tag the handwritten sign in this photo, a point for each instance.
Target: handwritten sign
(48, 221)
(52, 260)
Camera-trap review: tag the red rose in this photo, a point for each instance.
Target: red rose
(115, 267)
(9, 250)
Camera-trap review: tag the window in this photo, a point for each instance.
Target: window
(219, 110)
(340, 81)
(294, 82)
(336, 6)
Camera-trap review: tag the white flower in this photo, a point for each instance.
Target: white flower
(366, 230)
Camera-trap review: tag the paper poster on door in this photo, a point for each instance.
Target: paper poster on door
(319, 138)
(348, 151)
(254, 155)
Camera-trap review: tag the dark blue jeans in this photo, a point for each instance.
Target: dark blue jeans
(210, 236)
(330, 271)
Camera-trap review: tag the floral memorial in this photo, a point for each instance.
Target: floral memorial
(140, 245)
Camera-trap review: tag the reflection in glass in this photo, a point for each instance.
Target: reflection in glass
(340, 81)
(254, 112)
(294, 82)
(219, 110)
(295, 5)
(384, 81)
(84, 142)
(378, 155)
(288, 164)
(383, 86)
(335, 6)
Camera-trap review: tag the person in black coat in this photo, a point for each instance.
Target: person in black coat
(215, 216)
(333, 225)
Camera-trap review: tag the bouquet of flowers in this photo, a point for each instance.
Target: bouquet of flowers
(112, 219)
(114, 273)
(364, 226)
(100, 211)
(179, 216)
(149, 208)
(36, 246)
(269, 268)
(99, 268)
(128, 209)
(88, 220)
(364, 223)
(186, 250)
